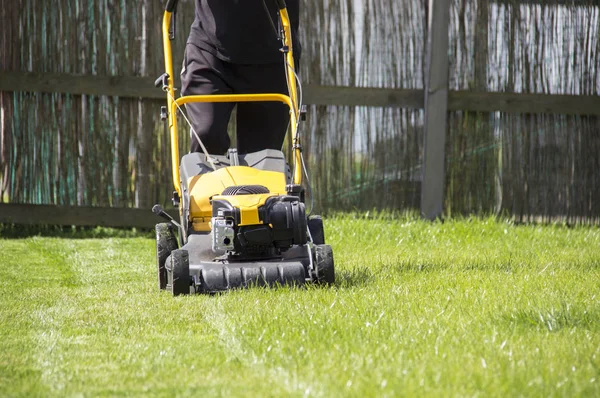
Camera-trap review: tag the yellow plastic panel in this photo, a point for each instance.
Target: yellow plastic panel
(248, 205)
(201, 224)
(203, 187)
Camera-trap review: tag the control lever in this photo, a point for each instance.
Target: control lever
(159, 211)
(162, 81)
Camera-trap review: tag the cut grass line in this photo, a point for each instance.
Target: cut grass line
(218, 320)
(235, 348)
(49, 348)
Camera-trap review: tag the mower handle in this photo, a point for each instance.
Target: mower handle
(172, 103)
(172, 5)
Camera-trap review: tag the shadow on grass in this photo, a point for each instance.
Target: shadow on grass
(404, 267)
(365, 275)
(17, 231)
(415, 267)
(554, 319)
(356, 277)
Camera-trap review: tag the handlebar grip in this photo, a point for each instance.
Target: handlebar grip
(171, 5)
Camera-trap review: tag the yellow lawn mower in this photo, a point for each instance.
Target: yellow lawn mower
(243, 220)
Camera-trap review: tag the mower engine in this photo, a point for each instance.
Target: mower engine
(257, 224)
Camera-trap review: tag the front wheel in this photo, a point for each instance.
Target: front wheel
(166, 242)
(180, 272)
(324, 268)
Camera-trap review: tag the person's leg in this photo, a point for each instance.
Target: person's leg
(261, 125)
(203, 73)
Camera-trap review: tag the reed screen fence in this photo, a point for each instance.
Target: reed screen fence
(89, 149)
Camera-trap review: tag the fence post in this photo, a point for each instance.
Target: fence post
(436, 109)
(143, 183)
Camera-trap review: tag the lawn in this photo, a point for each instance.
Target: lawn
(460, 308)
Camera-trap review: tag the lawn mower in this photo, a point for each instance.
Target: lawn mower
(243, 219)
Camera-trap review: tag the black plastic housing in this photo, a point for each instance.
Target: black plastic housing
(283, 224)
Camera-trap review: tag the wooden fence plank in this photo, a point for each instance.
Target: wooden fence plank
(554, 3)
(12, 213)
(363, 96)
(117, 86)
(524, 103)
(143, 87)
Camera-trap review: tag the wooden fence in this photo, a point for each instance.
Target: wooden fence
(80, 122)
(143, 88)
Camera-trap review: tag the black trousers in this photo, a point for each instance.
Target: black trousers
(260, 125)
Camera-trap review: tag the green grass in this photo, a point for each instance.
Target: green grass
(461, 308)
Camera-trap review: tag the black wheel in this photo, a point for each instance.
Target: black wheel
(180, 272)
(166, 242)
(324, 268)
(315, 226)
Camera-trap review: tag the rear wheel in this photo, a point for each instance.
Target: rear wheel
(324, 267)
(180, 272)
(166, 242)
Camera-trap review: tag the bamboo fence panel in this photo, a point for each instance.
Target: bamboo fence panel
(534, 166)
(92, 150)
